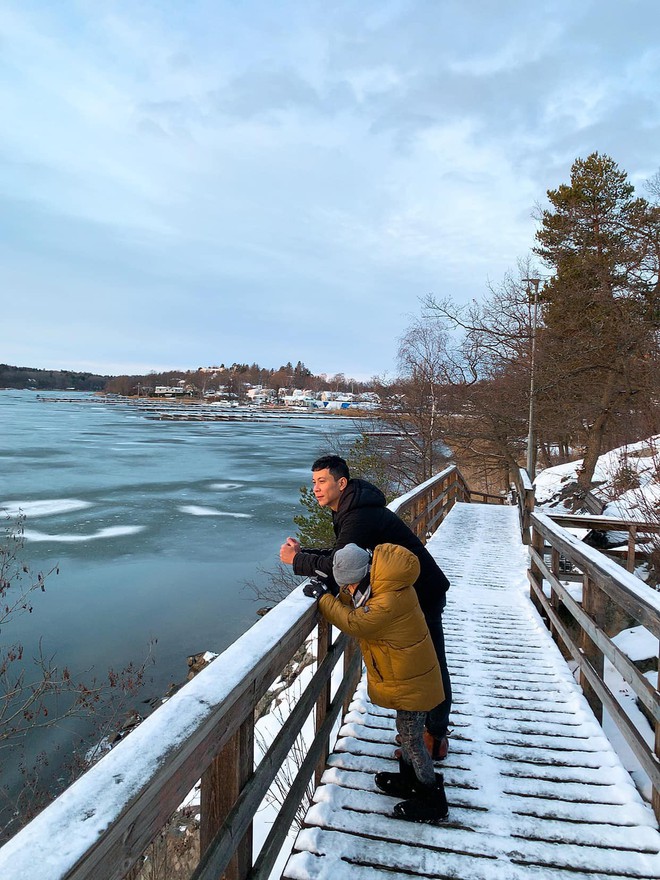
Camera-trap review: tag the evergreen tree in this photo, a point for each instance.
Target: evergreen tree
(599, 333)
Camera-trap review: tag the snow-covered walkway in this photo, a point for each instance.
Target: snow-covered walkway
(535, 789)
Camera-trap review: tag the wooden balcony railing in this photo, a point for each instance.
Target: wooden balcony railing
(425, 506)
(606, 587)
(100, 827)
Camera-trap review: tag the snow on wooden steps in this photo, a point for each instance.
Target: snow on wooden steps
(535, 790)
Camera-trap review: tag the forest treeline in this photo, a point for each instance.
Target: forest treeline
(236, 378)
(53, 380)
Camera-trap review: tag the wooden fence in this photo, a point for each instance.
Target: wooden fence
(524, 495)
(634, 529)
(606, 587)
(101, 826)
(425, 506)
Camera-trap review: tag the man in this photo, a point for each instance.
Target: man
(360, 516)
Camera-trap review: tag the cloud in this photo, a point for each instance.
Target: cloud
(191, 183)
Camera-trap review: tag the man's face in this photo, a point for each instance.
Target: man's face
(327, 490)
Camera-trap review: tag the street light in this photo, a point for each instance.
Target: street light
(531, 438)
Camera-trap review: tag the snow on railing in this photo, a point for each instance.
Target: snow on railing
(524, 492)
(425, 506)
(100, 826)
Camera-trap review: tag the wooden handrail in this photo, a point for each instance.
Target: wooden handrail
(425, 506)
(605, 584)
(101, 826)
(600, 523)
(525, 498)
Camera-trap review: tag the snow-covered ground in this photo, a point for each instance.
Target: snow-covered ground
(635, 462)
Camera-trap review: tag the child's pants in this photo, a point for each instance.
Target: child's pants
(410, 727)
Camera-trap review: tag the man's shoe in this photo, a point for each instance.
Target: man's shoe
(401, 784)
(437, 748)
(428, 804)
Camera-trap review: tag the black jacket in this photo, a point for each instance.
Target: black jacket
(363, 519)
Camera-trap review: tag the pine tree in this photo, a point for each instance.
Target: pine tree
(598, 337)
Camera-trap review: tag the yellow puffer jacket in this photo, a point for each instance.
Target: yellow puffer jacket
(402, 666)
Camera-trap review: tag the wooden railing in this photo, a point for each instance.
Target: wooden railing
(425, 506)
(633, 527)
(580, 627)
(101, 826)
(524, 496)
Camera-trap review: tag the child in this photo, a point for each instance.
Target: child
(402, 666)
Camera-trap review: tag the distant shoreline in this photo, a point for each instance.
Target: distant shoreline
(171, 409)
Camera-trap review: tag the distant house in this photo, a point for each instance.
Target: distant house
(168, 390)
(260, 395)
(344, 396)
(300, 398)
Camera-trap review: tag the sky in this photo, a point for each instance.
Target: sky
(185, 184)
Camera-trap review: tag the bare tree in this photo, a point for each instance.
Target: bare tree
(38, 693)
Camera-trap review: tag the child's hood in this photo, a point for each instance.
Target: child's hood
(393, 568)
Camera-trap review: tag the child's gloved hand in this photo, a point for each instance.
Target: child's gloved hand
(315, 589)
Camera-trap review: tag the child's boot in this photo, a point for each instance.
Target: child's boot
(428, 803)
(401, 784)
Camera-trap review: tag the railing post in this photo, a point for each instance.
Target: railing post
(538, 543)
(554, 598)
(323, 702)
(594, 603)
(420, 511)
(449, 490)
(632, 540)
(221, 785)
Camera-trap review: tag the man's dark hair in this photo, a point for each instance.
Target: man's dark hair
(336, 465)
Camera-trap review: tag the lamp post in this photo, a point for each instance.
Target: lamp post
(531, 438)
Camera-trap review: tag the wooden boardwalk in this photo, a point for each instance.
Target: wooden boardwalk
(535, 790)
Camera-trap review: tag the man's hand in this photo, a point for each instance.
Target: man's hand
(288, 550)
(315, 589)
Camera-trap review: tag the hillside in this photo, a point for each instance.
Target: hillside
(50, 380)
(626, 481)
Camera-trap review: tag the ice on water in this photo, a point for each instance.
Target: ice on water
(43, 507)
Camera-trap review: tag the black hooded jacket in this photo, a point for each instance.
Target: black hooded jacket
(362, 518)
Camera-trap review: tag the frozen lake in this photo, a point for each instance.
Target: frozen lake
(156, 525)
